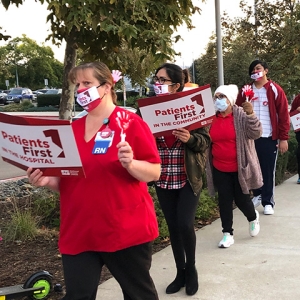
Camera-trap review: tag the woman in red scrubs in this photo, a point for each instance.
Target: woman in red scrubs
(108, 217)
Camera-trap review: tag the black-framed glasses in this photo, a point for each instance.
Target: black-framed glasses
(160, 80)
(220, 96)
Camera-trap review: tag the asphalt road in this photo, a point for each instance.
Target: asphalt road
(8, 171)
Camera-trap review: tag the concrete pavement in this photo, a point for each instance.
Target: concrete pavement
(262, 267)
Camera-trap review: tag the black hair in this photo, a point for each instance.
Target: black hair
(257, 62)
(176, 74)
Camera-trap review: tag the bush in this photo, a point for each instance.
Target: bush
(162, 224)
(48, 100)
(208, 206)
(45, 206)
(22, 226)
(292, 159)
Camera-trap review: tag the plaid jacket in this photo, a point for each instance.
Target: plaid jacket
(189, 158)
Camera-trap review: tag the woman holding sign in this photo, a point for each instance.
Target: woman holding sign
(178, 188)
(108, 217)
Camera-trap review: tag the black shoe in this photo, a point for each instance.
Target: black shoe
(178, 283)
(191, 280)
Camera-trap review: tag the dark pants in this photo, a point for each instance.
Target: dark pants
(229, 189)
(130, 267)
(267, 150)
(298, 151)
(179, 208)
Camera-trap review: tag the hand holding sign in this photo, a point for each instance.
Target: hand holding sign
(123, 121)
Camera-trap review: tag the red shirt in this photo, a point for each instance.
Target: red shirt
(109, 210)
(223, 138)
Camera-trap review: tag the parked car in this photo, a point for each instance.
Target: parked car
(2, 97)
(53, 91)
(36, 93)
(42, 91)
(84, 112)
(17, 95)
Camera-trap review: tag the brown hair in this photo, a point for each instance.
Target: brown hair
(100, 71)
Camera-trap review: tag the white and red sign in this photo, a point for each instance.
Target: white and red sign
(45, 144)
(295, 119)
(189, 109)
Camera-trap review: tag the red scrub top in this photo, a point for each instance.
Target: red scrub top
(109, 210)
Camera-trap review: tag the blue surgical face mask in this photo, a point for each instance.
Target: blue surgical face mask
(221, 104)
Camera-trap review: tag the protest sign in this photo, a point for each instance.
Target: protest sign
(189, 109)
(295, 119)
(45, 144)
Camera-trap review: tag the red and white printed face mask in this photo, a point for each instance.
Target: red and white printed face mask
(161, 89)
(257, 76)
(89, 98)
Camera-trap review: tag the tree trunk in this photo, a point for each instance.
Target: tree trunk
(68, 89)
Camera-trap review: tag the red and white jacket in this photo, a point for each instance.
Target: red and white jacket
(278, 108)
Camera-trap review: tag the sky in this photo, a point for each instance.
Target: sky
(30, 19)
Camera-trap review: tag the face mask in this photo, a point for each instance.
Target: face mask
(221, 104)
(88, 98)
(161, 89)
(257, 76)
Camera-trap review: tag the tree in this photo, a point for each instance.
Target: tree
(32, 62)
(99, 27)
(273, 38)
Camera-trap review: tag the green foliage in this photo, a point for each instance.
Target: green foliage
(162, 224)
(292, 159)
(288, 161)
(208, 206)
(281, 165)
(274, 38)
(48, 100)
(26, 104)
(34, 63)
(22, 226)
(12, 107)
(45, 206)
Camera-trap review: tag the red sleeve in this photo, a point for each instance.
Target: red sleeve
(295, 103)
(282, 110)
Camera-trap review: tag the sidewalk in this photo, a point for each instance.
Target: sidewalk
(262, 267)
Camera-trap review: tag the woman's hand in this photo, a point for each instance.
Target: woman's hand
(125, 154)
(182, 134)
(36, 177)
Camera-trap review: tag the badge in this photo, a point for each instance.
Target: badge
(103, 141)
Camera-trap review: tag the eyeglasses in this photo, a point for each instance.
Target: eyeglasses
(161, 80)
(220, 96)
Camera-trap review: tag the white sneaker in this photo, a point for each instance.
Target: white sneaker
(254, 226)
(268, 210)
(226, 241)
(256, 201)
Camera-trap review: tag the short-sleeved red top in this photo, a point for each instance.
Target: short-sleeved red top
(109, 210)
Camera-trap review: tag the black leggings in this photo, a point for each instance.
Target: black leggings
(129, 266)
(229, 189)
(179, 208)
